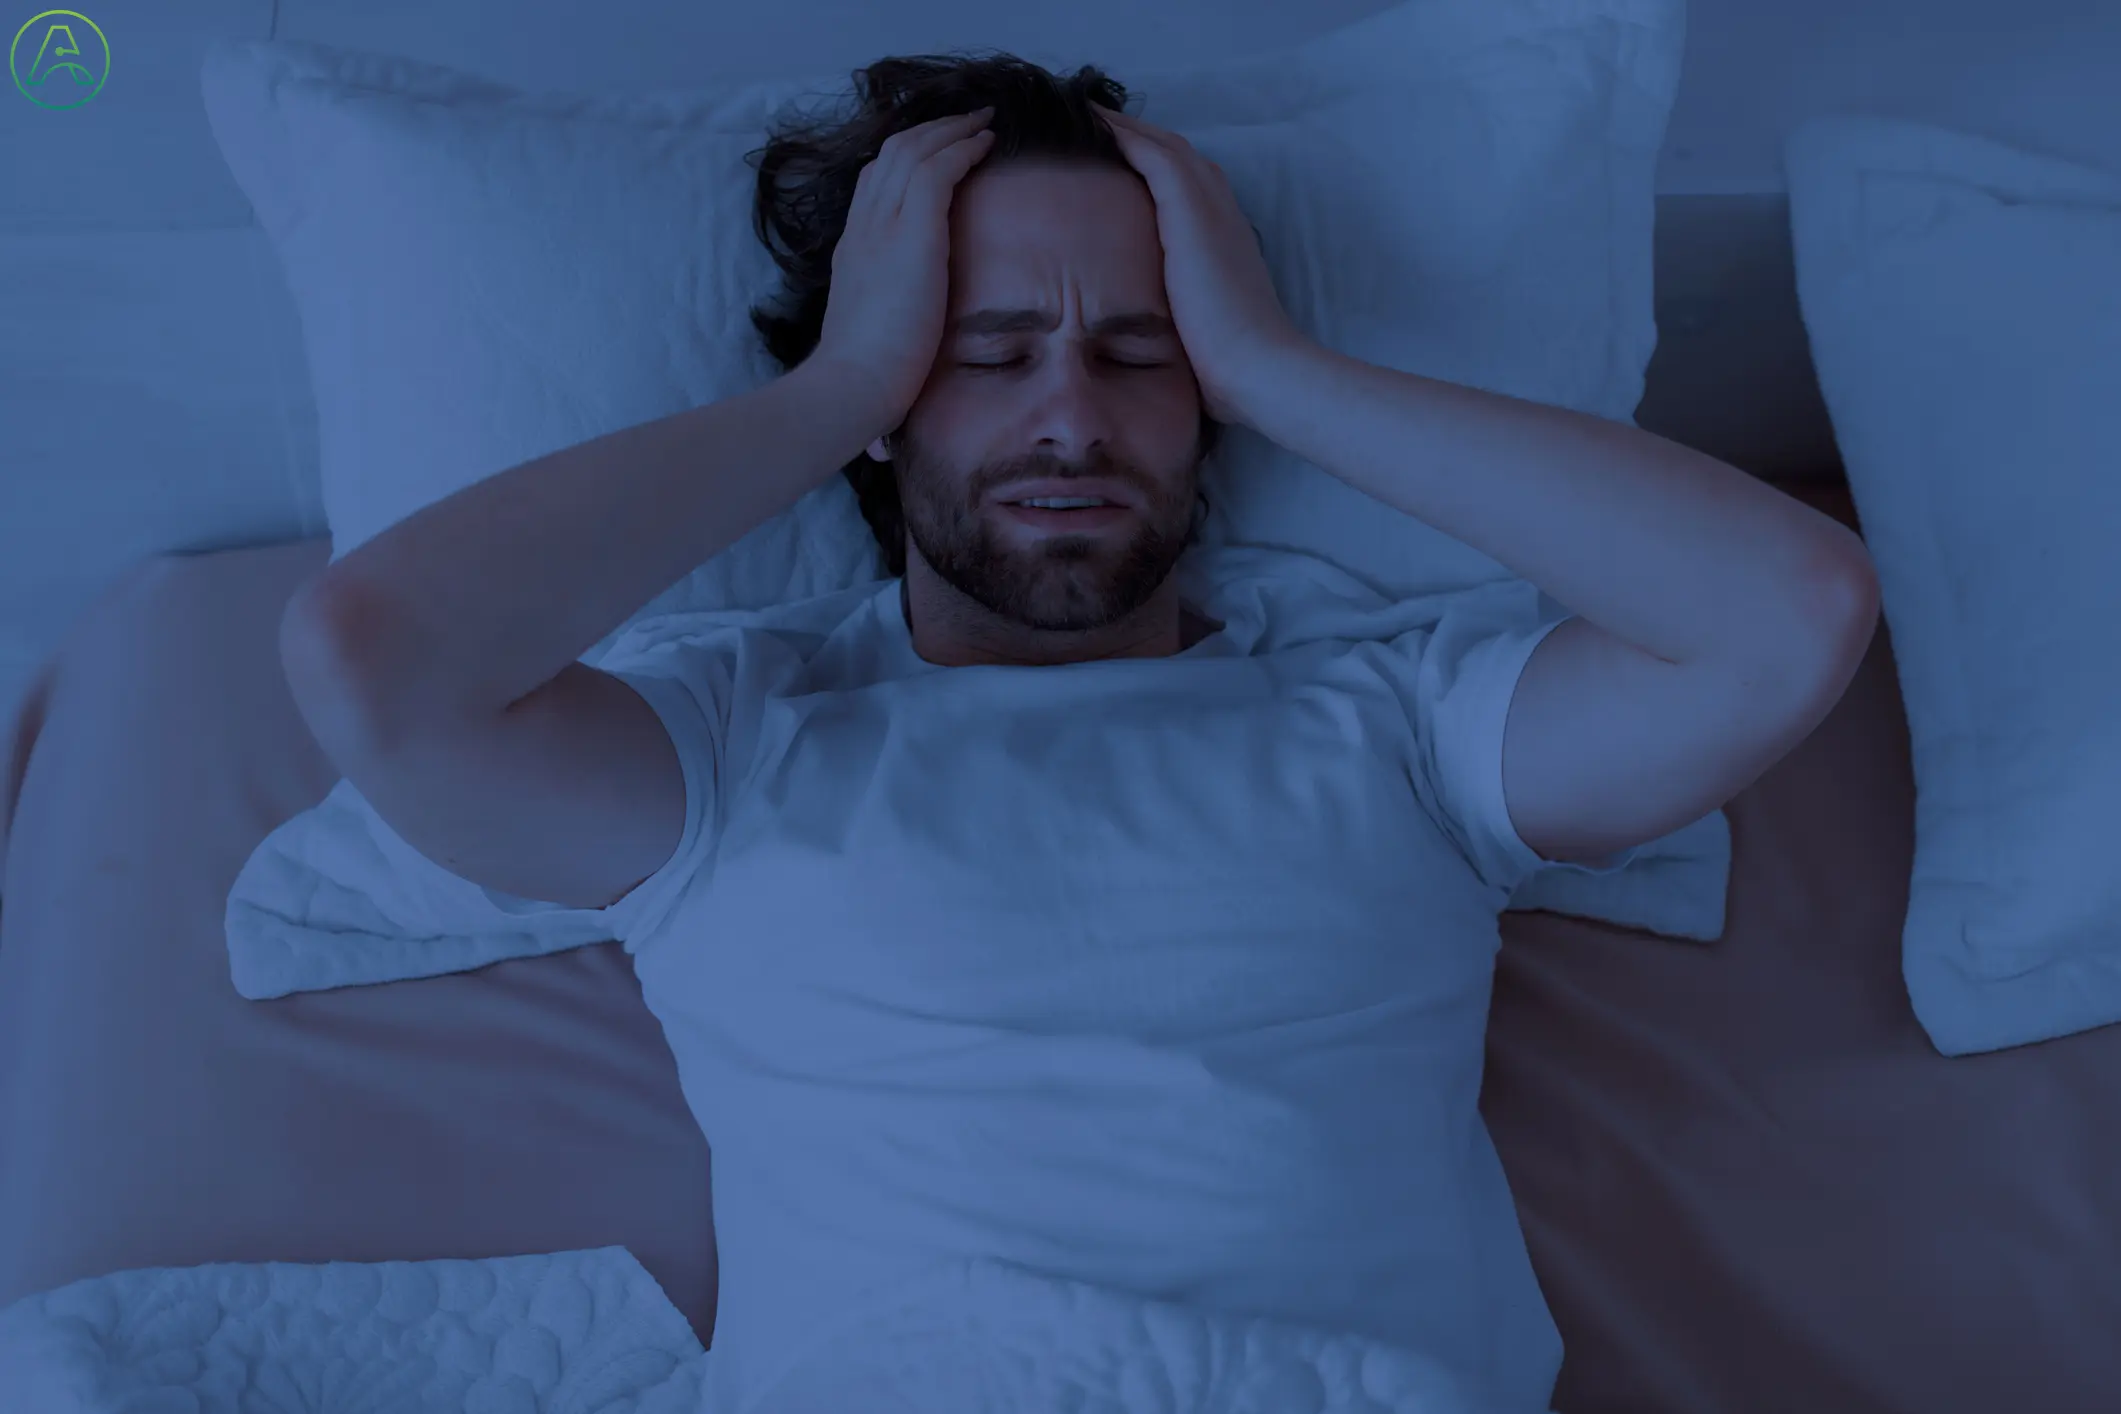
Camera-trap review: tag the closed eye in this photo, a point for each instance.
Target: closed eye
(1015, 362)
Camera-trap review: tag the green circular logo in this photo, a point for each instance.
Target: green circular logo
(59, 59)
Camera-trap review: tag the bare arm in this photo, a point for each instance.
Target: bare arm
(473, 602)
(1720, 619)
(437, 663)
(470, 604)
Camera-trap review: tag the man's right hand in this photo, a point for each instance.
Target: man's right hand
(891, 269)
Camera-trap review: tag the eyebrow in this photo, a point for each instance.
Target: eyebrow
(1134, 324)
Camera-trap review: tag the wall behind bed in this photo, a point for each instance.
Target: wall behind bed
(153, 392)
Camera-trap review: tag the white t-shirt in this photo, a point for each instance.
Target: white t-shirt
(1169, 975)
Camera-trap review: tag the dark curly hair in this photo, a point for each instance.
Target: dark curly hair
(809, 165)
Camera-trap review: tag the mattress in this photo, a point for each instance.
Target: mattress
(1747, 1181)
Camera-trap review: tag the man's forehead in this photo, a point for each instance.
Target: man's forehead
(1120, 324)
(1027, 199)
(1069, 254)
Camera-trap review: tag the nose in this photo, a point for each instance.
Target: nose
(1069, 415)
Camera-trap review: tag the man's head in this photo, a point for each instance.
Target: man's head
(1059, 375)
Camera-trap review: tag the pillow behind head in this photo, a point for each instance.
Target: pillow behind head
(486, 275)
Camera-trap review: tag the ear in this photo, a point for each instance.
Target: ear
(877, 452)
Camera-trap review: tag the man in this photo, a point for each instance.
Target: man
(1020, 910)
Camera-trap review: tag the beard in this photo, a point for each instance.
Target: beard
(1057, 583)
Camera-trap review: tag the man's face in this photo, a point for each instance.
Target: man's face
(1059, 367)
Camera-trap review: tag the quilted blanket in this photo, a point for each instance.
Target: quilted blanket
(589, 1332)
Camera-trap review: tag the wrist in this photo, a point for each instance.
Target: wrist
(1259, 384)
(848, 400)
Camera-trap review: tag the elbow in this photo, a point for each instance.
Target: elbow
(1848, 600)
(1831, 629)
(331, 648)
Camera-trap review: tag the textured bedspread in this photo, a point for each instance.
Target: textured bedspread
(590, 1333)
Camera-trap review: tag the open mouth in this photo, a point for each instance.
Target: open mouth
(1065, 512)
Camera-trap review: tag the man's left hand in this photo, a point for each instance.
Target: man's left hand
(1229, 317)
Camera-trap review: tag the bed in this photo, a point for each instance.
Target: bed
(1748, 1179)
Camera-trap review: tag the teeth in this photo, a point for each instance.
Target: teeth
(1064, 503)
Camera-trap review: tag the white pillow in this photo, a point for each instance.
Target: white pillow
(1964, 305)
(485, 276)
(1462, 188)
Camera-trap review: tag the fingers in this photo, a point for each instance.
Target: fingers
(938, 176)
(882, 184)
(1161, 155)
(1127, 125)
(908, 149)
(1145, 146)
(1138, 137)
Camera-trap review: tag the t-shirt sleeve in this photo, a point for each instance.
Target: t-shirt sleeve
(1456, 677)
(688, 686)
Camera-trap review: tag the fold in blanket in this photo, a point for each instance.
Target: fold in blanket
(18, 733)
(591, 1332)
(588, 1331)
